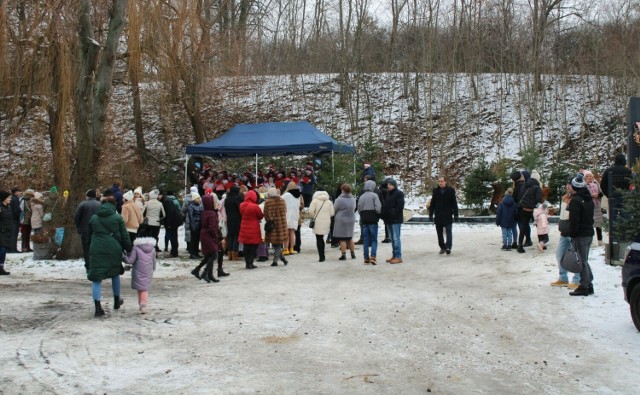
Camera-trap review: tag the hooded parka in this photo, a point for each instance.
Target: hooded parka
(108, 238)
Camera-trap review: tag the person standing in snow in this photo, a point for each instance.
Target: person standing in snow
(541, 221)
(443, 210)
(143, 263)
(25, 219)
(581, 231)
(392, 214)
(172, 221)
(322, 211)
(507, 219)
(529, 196)
(109, 238)
(564, 241)
(131, 214)
(250, 235)
(84, 212)
(345, 220)
(369, 208)
(6, 227)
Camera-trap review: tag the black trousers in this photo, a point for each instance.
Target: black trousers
(524, 219)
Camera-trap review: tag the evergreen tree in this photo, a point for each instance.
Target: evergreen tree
(477, 185)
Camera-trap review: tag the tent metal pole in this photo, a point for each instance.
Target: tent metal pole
(333, 169)
(186, 177)
(255, 186)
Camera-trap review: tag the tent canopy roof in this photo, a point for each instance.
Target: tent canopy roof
(271, 138)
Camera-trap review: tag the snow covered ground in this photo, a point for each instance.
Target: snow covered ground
(481, 320)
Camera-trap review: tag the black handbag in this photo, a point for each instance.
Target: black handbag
(312, 221)
(571, 260)
(269, 225)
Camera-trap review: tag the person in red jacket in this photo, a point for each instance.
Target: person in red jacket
(250, 234)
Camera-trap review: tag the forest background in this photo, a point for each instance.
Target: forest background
(96, 91)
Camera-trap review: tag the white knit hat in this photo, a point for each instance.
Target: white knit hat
(128, 195)
(194, 189)
(195, 195)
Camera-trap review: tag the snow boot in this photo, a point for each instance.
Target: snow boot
(99, 311)
(117, 302)
(221, 273)
(521, 249)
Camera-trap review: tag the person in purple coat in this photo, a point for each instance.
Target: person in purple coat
(209, 242)
(143, 263)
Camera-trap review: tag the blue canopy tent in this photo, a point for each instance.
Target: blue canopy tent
(268, 139)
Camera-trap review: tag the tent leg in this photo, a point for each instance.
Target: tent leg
(255, 186)
(186, 176)
(333, 169)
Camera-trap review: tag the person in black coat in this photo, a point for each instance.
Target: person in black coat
(16, 212)
(6, 227)
(443, 210)
(581, 231)
(84, 212)
(172, 220)
(615, 180)
(392, 214)
(232, 209)
(528, 198)
(383, 195)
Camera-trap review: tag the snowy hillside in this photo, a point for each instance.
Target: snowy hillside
(435, 123)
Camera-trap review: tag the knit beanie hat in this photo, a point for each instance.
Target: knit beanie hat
(53, 189)
(128, 195)
(535, 175)
(194, 189)
(154, 194)
(195, 195)
(91, 193)
(138, 190)
(393, 182)
(272, 192)
(578, 181)
(515, 175)
(4, 195)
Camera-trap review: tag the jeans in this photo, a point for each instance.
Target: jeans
(514, 233)
(394, 235)
(583, 244)
(507, 239)
(370, 239)
(444, 245)
(563, 245)
(96, 289)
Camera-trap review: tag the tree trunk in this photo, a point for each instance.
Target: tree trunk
(92, 96)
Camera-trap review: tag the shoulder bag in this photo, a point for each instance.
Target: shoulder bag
(312, 223)
(571, 260)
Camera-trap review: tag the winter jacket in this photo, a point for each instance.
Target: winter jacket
(7, 226)
(194, 211)
(108, 238)
(594, 188)
(530, 195)
(25, 207)
(54, 204)
(142, 259)
(173, 217)
(507, 214)
(276, 209)
(307, 187)
(322, 209)
(83, 215)
(616, 177)
(251, 217)
(369, 204)
(154, 211)
(132, 216)
(444, 205)
(117, 194)
(16, 211)
(292, 200)
(185, 214)
(37, 213)
(541, 220)
(581, 214)
(345, 218)
(393, 207)
(208, 227)
(232, 210)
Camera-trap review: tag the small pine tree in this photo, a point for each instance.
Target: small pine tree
(531, 159)
(557, 182)
(627, 223)
(477, 189)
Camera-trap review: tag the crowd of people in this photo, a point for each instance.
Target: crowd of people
(257, 216)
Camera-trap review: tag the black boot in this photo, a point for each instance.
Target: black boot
(99, 311)
(580, 291)
(208, 274)
(221, 272)
(196, 271)
(528, 243)
(521, 249)
(4, 272)
(514, 245)
(282, 258)
(117, 302)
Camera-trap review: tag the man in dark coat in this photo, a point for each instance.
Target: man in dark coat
(16, 212)
(172, 220)
(84, 212)
(581, 231)
(528, 198)
(443, 210)
(6, 226)
(615, 180)
(392, 214)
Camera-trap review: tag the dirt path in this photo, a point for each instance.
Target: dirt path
(480, 320)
